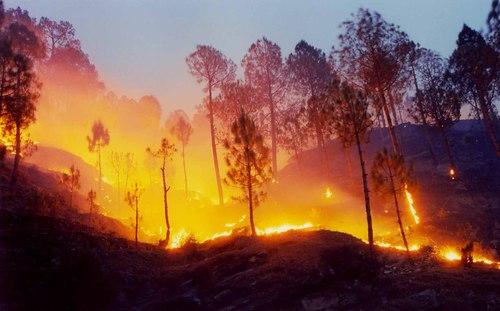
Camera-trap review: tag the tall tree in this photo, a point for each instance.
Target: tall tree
(390, 175)
(164, 153)
(248, 162)
(132, 199)
(493, 22)
(475, 71)
(71, 180)
(91, 199)
(439, 105)
(98, 138)
(212, 68)
(19, 106)
(372, 56)
(310, 75)
(265, 72)
(352, 122)
(58, 35)
(182, 130)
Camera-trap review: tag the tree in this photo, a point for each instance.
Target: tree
(310, 75)
(132, 199)
(493, 22)
(182, 130)
(439, 105)
(390, 175)
(164, 153)
(214, 69)
(99, 138)
(91, 199)
(293, 131)
(265, 73)
(248, 162)
(352, 122)
(58, 34)
(71, 180)
(19, 105)
(372, 56)
(475, 72)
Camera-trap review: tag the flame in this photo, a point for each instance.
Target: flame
(411, 205)
(283, 228)
(328, 193)
(450, 254)
(179, 238)
(411, 248)
(452, 174)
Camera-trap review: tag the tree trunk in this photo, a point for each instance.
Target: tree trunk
(393, 109)
(99, 163)
(17, 157)
(347, 156)
(422, 116)
(165, 204)
(366, 194)
(489, 126)
(214, 147)
(398, 214)
(185, 173)
(250, 198)
(136, 218)
(274, 148)
(390, 127)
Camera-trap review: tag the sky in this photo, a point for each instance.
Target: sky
(139, 47)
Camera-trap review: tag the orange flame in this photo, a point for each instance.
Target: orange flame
(328, 193)
(411, 205)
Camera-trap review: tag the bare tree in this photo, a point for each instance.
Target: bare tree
(132, 199)
(248, 163)
(99, 138)
(164, 153)
(211, 67)
(352, 122)
(389, 175)
(71, 180)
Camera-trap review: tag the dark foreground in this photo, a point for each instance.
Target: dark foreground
(52, 264)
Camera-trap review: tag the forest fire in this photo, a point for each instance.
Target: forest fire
(411, 205)
(452, 173)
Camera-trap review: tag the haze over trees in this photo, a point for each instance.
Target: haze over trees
(98, 139)
(182, 130)
(71, 180)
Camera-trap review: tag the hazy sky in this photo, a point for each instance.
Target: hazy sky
(139, 47)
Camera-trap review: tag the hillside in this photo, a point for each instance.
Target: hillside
(49, 264)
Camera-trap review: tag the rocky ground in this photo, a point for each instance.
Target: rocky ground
(51, 264)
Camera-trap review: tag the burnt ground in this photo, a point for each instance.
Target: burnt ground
(49, 263)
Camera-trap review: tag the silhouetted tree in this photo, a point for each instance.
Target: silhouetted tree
(439, 103)
(352, 122)
(293, 131)
(389, 175)
(71, 180)
(214, 69)
(19, 106)
(310, 75)
(474, 69)
(132, 199)
(372, 56)
(99, 138)
(58, 34)
(91, 199)
(164, 153)
(182, 130)
(493, 22)
(248, 163)
(266, 74)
